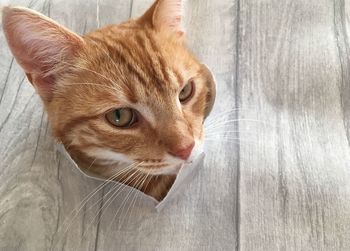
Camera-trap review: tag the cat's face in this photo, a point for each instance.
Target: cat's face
(146, 104)
(131, 92)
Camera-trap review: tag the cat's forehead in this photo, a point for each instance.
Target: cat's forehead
(144, 64)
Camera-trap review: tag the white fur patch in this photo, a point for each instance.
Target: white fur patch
(108, 155)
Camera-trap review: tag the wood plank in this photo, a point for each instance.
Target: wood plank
(294, 173)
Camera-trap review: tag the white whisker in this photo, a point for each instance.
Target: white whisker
(117, 68)
(126, 182)
(223, 133)
(122, 206)
(86, 69)
(118, 191)
(214, 116)
(72, 216)
(94, 84)
(133, 201)
(240, 142)
(234, 121)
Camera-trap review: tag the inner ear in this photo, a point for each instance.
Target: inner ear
(165, 15)
(39, 45)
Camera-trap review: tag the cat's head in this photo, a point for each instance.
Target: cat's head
(131, 92)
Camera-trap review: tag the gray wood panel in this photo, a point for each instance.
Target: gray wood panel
(281, 183)
(295, 176)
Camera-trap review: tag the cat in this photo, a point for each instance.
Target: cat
(131, 93)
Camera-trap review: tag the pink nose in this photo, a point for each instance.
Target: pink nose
(183, 153)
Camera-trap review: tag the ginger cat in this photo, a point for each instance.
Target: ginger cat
(127, 101)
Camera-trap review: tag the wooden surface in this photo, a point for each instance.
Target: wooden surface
(281, 183)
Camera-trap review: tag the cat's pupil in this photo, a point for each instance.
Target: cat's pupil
(117, 115)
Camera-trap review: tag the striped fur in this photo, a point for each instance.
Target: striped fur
(136, 64)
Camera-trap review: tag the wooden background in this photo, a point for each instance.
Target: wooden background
(281, 183)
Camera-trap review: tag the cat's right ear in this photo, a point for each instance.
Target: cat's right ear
(39, 44)
(165, 16)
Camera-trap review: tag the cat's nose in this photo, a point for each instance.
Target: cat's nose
(183, 152)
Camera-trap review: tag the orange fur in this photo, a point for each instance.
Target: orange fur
(142, 64)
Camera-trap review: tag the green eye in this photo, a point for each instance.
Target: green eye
(123, 117)
(187, 92)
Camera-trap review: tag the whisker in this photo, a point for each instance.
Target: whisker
(217, 121)
(92, 163)
(129, 179)
(115, 215)
(221, 139)
(133, 201)
(94, 84)
(225, 120)
(220, 115)
(115, 189)
(67, 148)
(225, 114)
(122, 206)
(116, 194)
(230, 122)
(117, 68)
(86, 69)
(222, 133)
(214, 116)
(114, 186)
(107, 54)
(71, 217)
(240, 142)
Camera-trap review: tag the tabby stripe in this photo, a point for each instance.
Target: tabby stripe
(110, 49)
(132, 68)
(160, 57)
(179, 78)
(152, 70)
(103, 45)
(157, 65)
(70, 125)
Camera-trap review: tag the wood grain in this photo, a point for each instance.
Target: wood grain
(281, 183)
(294, 178)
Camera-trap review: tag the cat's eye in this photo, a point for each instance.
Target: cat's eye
(187, 92)
(123, 117)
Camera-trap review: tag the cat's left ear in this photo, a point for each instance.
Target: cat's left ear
(165, 15)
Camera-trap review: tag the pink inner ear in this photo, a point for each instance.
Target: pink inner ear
(38, 44)
(168, 15)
